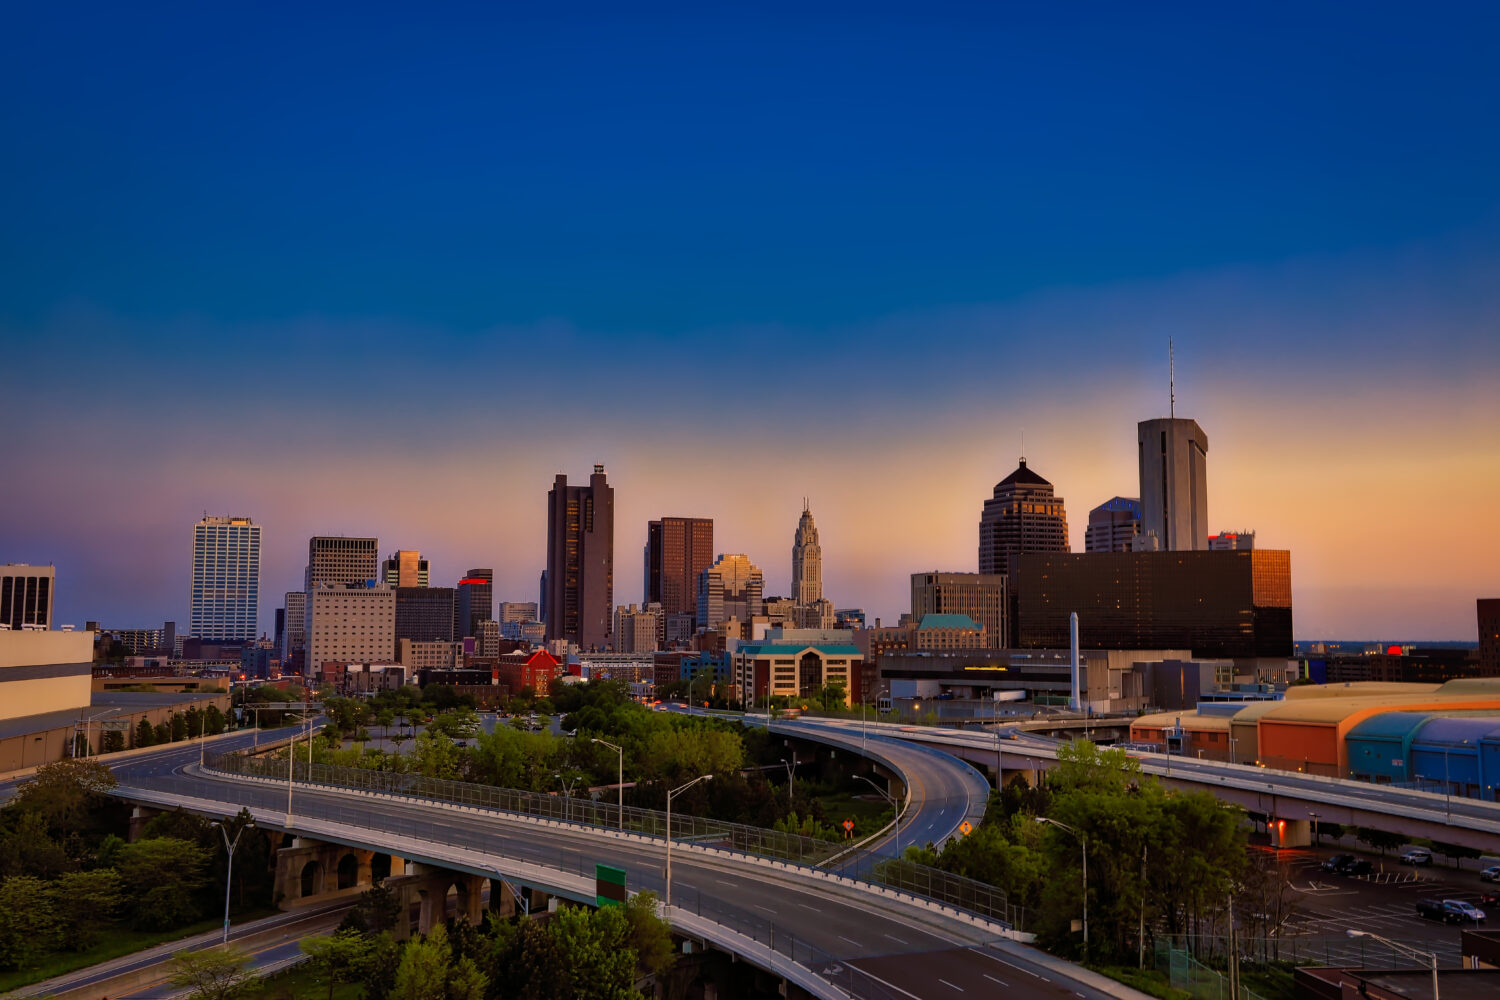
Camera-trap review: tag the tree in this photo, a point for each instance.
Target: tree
(215, 974)
(145, 735)
(84, 902)
(30, 920)
(159, 876)
(342, 957)
(1379, 839)
(112, 741)
(1456, 852)
(429, 971)
(649, 934)
(1331, 830)
(597, 946)
(64, 793)
(27, 847)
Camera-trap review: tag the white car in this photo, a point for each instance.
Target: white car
(1417, 856)
(1490, 874)
(1465, 911)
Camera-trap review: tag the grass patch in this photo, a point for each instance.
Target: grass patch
(869, 814)
(113, 942)
(304, 983)
(1146, 980)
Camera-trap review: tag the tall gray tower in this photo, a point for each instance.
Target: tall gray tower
(807, 562)
(1174, 482)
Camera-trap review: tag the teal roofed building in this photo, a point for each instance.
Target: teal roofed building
(947, 621)
(949, 631)
(797, 670)
(1379, 748)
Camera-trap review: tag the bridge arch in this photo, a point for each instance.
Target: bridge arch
(348, 871)
(311, 879)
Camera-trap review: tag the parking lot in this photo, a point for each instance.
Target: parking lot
(1383, 902)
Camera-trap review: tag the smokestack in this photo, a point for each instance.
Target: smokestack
(1073, 644)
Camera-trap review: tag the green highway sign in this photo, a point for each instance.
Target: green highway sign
(609, 885)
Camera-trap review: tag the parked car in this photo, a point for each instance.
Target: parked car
(1434, 909)
(1490, 874)
(1466, 912)
(1417, 856)
(1337, 862)
(1359, 866)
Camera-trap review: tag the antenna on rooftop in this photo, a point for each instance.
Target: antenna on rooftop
(1171, 380)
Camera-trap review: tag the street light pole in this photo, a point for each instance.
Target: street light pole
(1398, 946)
(567, 796)
(670, 796)
(789, 775)
(895, 810)
(229, 871)
(1084, 840)
(620, 786)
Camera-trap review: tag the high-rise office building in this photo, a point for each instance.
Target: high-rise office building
(1113, 525)
(425, 614)
(807, 561)
(406, 568)
(1217, 604)
(473, 602)
(1232, 541)
(1022, 516)
(516, 611)
(581, 561)
(1488, 612)
(26, 595)
(294, 643)
(980, 596)
(733, 587)
(224, 604)
(350, 623)
(637, 629)
(678, 550)
(1174, 482)
(338, 560)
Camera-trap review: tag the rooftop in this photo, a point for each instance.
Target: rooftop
(948, 621)
(1023, 476)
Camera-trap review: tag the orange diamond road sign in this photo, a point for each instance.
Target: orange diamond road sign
(848, 824)
(964, 828)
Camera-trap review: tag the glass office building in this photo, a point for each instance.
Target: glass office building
(225, 597)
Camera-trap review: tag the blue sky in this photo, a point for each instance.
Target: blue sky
(258, 259)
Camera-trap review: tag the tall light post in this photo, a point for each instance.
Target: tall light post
(229, 871)
(1314, 817)
(620, 785)
(895, 810)
(789, 774)
(567, 787)
(1398, 946)
(1083, 839)
(1232, 742)
(670, 796)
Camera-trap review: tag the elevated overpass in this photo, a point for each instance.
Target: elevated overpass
(1291, 801)
(823, 934)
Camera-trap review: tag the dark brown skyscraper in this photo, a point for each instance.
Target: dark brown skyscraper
(1022, 516)
(581, 561)
(678, 549)
(1489, 635)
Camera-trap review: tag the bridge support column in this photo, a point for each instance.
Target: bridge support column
(139, 817)
(1290, 832)
(502, 899)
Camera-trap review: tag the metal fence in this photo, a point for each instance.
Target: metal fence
(909, 877)
(1198, 980)
(736, 837)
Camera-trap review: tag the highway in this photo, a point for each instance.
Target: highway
(1286, 794)
(845, 934)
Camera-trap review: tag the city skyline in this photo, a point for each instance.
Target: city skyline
(896, 255)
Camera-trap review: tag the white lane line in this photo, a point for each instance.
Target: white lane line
(896, 939)
(722, 882)
(766, 908)
(851, 941)
(950, 985)
(885, 983)
(1008, 965)
(806, 907)
(994, 980)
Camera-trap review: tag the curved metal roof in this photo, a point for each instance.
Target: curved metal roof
(1389, 726)
(1452, 732)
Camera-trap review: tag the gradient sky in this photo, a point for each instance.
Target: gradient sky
(371, 272)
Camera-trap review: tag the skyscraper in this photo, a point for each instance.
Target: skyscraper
(1488, 612)
(980, 596)
(406, 568)
(295, 644)
(1113, 525)
(807, 561)
(1174, 482)
(26, 595)
(473, 602)
(678, 550)
(425, 614)
(338, 560)
(1022, 516)
(225, 596)
(581, 561)
(733, 587)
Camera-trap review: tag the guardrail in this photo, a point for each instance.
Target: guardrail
(918, 881)
(736, 837)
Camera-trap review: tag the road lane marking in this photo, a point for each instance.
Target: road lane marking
(766, 908)
(1009, 965)
(885, 983)
(950, 985)
(806, 907)
(722, 882)
(994, 980)
(896, 939)
(851, 941)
